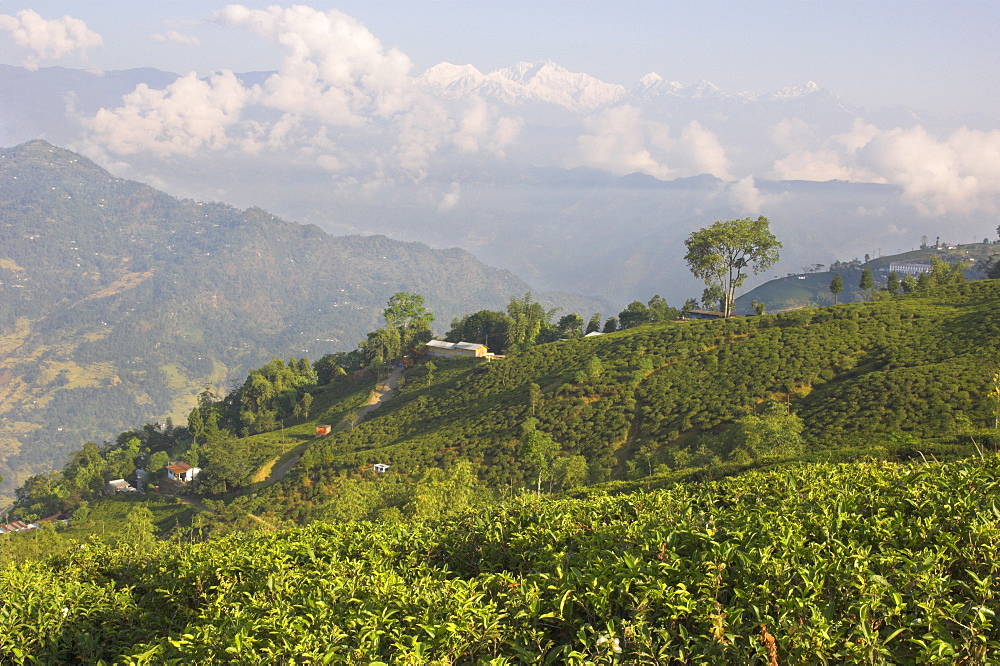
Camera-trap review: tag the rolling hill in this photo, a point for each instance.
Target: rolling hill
(118, 302)
(812, 289)
(879, 378)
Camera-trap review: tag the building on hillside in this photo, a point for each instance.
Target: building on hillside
(17, 526)
(182, 471)
(456, 349)
(705, 314)
(323, 430)
(380, 468)
(908, 268)
(118, 486)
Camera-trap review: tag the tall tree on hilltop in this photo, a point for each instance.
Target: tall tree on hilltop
(836, 286)
(633, 315)
(892, 283)
(660, 310)
(867, 283)
(527, 320)
(406, 313)
(719, 254)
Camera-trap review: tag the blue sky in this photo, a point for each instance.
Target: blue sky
(940, 57)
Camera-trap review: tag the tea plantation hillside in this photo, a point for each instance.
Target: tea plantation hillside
(811, 288)
(904, 378)
(869, 379)
(866, 562)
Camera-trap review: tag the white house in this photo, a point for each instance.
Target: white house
(182, 471)
(380, 468)
(908, 268)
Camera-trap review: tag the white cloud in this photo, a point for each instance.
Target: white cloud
(704, 152)
(621, 141)
(618, 143)
(451, 198)
(335, 69)
(176, 38)
(48, 39)
(747, 196)
(822, 165)
(189, 115)
(958, 174)
(811, 157)
(858, 137)
(338, 97)
(479, 130)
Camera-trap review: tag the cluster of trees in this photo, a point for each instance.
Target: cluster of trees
(941, 274)
(84, 476)
(407, 325)
(270, 394)
(526, 323)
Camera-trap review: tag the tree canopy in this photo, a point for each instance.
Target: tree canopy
(867, 283)
(836, 286)
(720, 253)
(405, 312)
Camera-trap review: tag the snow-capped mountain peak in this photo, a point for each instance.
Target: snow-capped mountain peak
(794, 92)
(703, 89)
(523, 82)
(653, 85)
(549, 83)
(451, 81)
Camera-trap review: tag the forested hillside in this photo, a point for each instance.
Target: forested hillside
(118, 303)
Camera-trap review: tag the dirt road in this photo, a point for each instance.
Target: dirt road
(383, 393)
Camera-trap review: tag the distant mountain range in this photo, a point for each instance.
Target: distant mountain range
(575, 184)
(118, 302)
(550, 83)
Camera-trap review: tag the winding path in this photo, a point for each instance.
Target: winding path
(382, 393)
